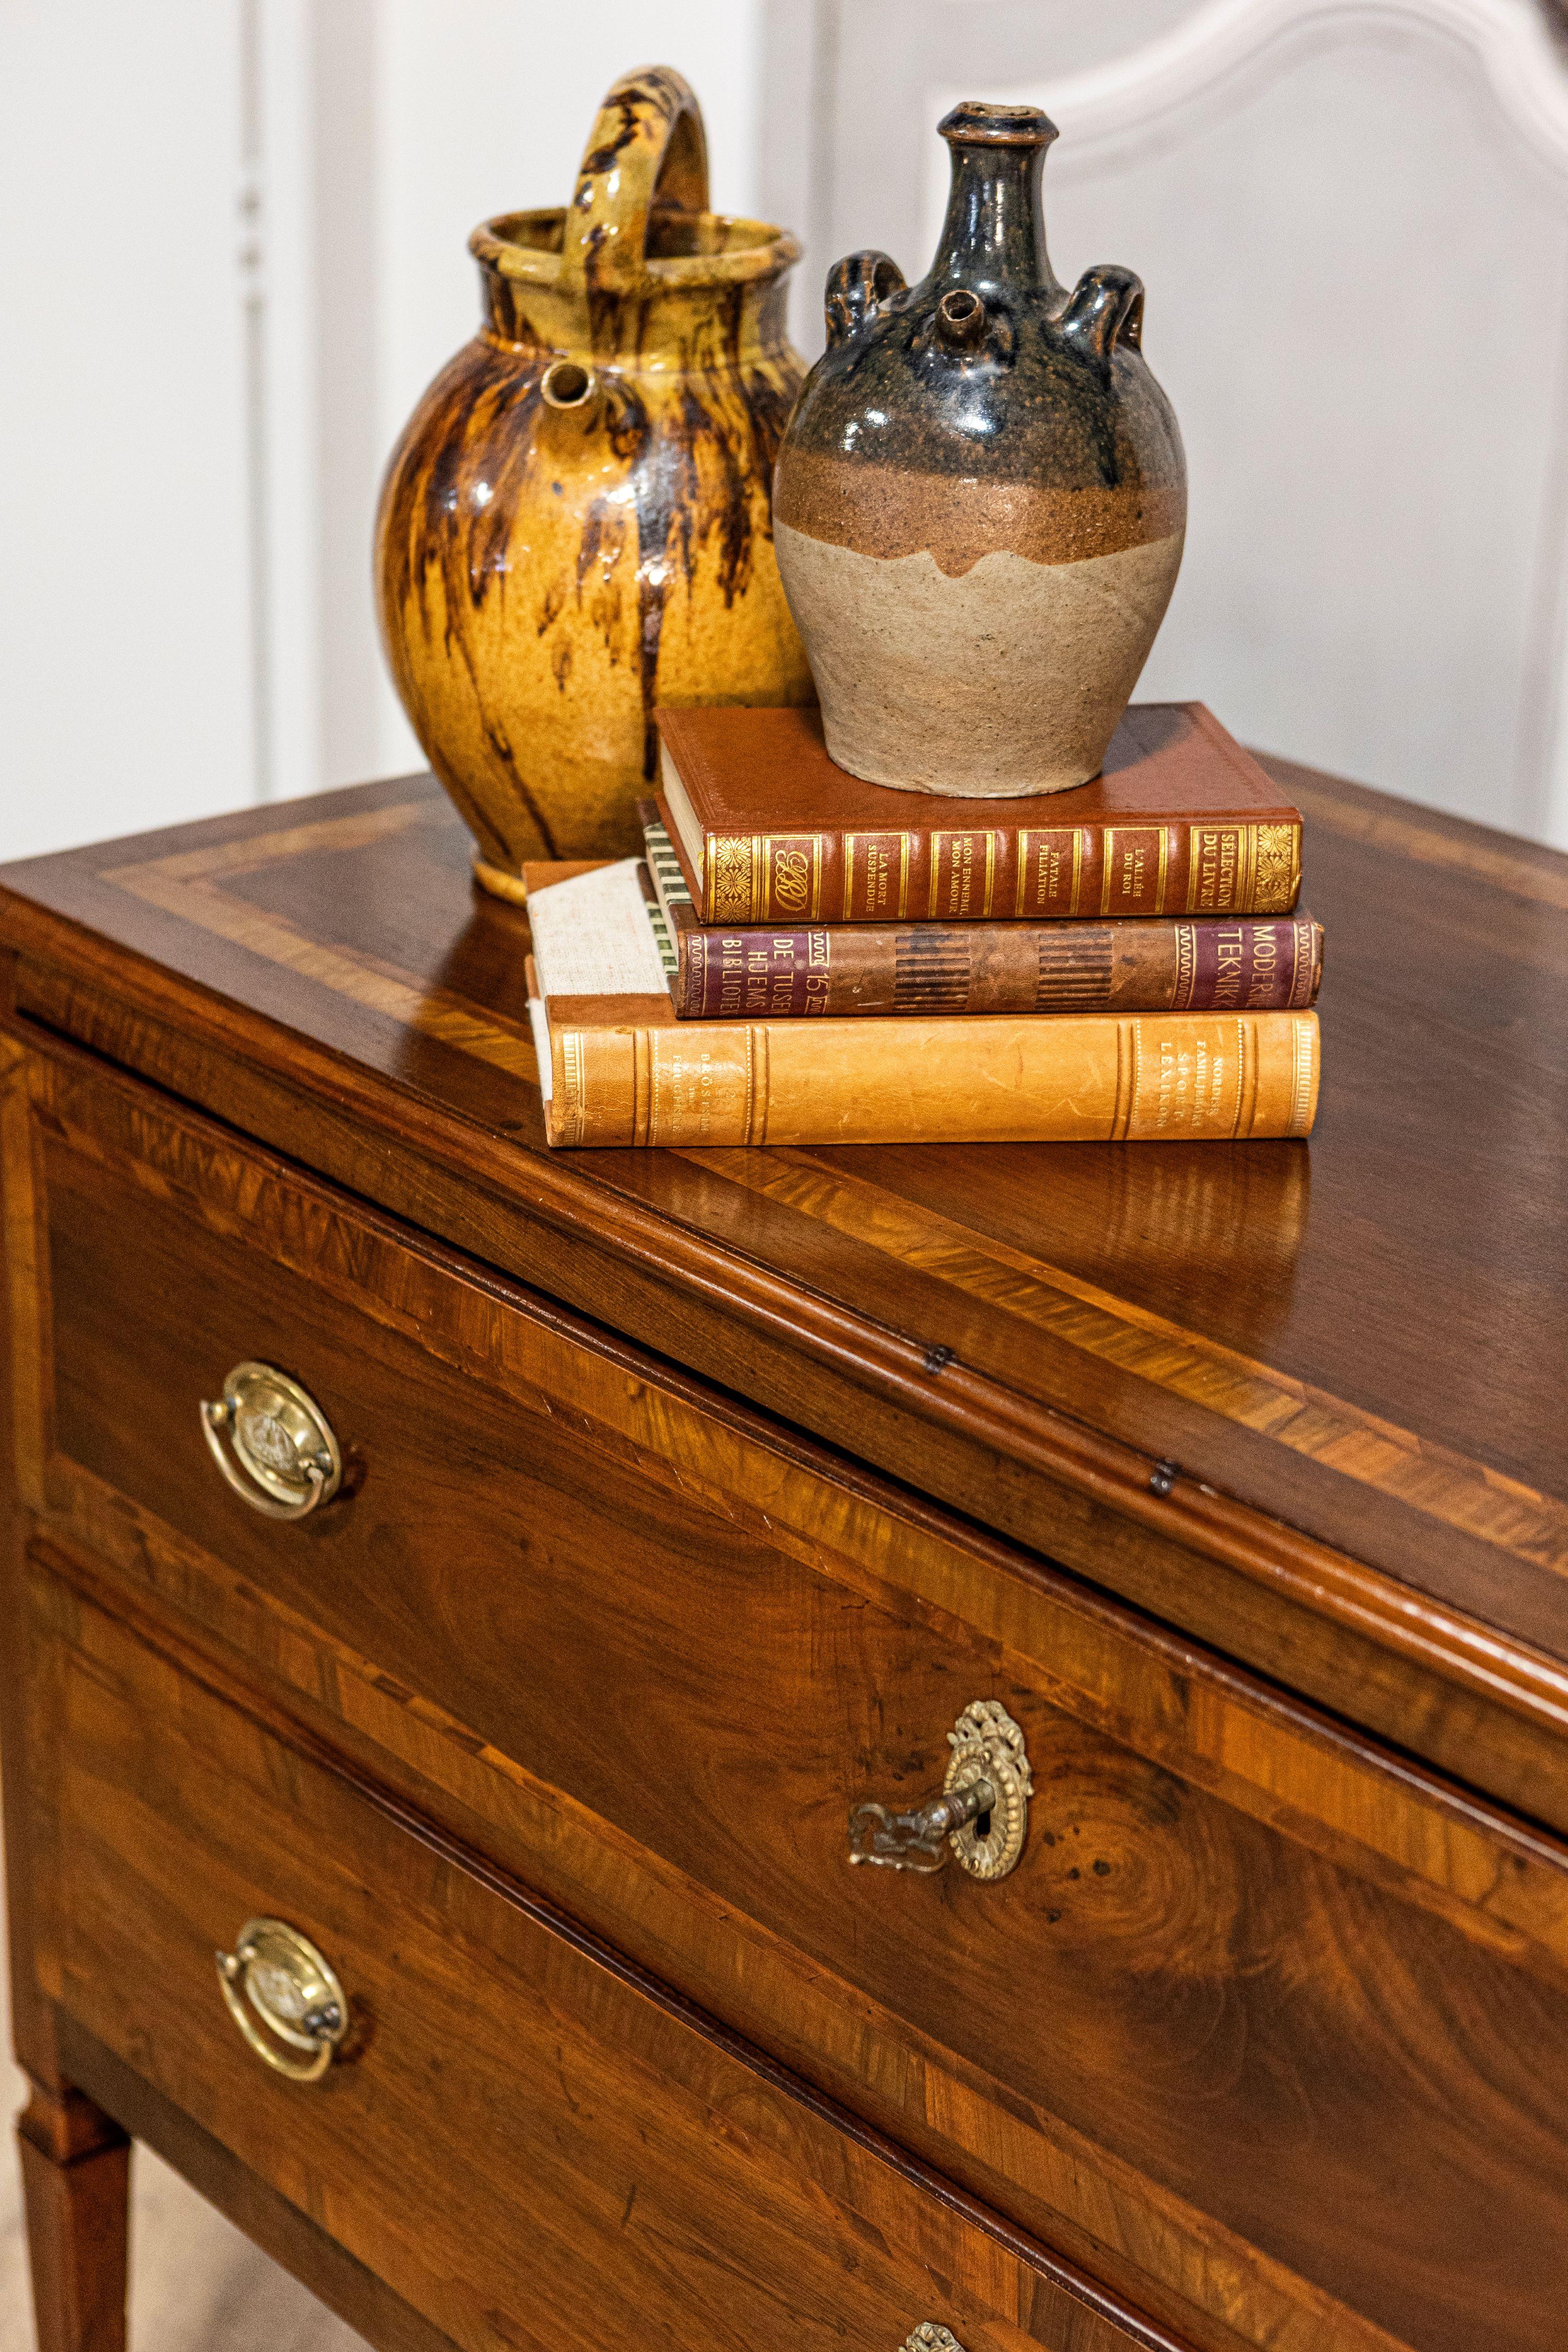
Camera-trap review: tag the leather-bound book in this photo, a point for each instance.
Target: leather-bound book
(617, 1067)
(1197, 963)
(1181, 821)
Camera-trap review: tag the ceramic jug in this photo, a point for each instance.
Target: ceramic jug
(981, 496)
(575, 524)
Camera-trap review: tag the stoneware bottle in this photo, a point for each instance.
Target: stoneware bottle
(577, 524)
(981, 496)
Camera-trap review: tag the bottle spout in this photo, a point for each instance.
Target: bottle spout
(976, 122)
(993, 238)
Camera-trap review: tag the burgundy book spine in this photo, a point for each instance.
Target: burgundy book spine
(1241, 964)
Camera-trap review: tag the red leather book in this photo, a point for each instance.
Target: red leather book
(1186, 964)
(1182, 821)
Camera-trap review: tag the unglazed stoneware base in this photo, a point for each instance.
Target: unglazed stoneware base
(1006, 679)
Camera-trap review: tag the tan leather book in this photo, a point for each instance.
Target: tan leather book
(617, 1067)
(1198, 963)
(1180, 821)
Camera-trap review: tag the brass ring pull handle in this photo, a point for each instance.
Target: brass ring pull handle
(284, 1998)
(931, 2336)
(273, 1443)
(981, 1816)
(648, 152)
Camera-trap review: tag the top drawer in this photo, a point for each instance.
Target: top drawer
(1265, 2027)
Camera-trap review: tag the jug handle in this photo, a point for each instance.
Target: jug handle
(854, 287)
(647, 150)
(1106, 311)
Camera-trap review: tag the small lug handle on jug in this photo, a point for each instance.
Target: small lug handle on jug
(1106, 310)
(646, 153)
(854, 287)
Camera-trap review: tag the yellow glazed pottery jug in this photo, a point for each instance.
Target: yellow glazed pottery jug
(577, 524)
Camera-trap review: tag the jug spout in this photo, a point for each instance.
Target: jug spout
(993, 236)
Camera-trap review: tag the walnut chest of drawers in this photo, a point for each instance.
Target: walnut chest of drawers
(464, 1605)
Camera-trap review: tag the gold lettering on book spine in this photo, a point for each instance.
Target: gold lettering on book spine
(872, 897)
(731, 868)
(1217, 855)
(788, 883)
(1132, 874)
(1277, 874)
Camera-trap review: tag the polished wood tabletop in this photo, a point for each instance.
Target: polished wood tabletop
(1262, 1388)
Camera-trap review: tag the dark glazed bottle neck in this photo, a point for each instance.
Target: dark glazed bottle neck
(993, 238)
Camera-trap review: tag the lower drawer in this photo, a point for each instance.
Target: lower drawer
(528, 2141)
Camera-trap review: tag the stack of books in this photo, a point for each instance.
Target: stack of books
(802, 958)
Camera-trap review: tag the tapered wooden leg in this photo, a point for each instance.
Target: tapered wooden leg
(75, 2180)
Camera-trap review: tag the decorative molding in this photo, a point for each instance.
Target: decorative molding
(1231, 43)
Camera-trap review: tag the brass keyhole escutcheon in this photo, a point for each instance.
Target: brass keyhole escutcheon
(981, 1816)
(988, 1752)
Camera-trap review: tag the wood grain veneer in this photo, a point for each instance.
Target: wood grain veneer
(704, 1639)
(688, 1498)
(1358, 1377)
(607, 2169)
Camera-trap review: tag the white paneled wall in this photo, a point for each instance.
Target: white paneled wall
(232, 254)
(1351, 217)
(125, 654)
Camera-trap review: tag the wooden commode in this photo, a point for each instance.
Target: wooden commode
(470, 1608)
